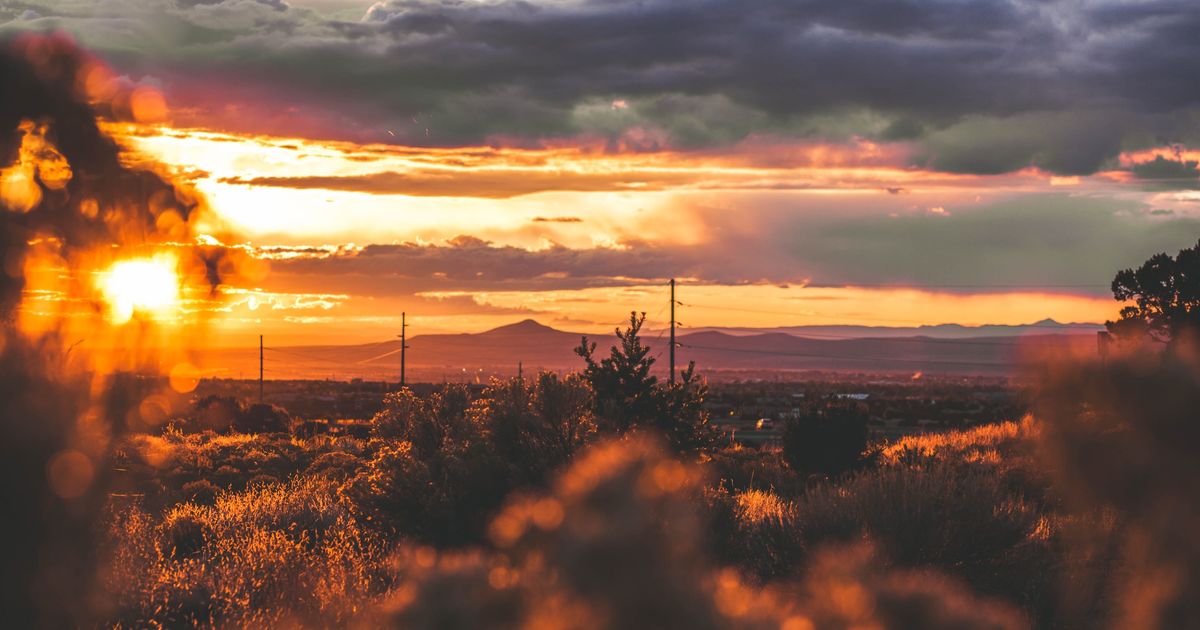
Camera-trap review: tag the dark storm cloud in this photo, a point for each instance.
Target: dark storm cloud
(1165, 169)
(1078, 81)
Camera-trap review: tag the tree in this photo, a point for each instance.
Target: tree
(628, 396)
(1165, 292)
(624, 388)
(686, 425)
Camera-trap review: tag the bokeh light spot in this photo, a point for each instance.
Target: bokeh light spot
(70, 474)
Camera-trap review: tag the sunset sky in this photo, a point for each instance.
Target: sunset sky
(476, 162)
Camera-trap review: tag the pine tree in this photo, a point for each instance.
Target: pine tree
(628, 396)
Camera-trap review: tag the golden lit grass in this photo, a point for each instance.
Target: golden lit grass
(616, 542)
(292, 554)
(758, 506)
(990, 442)
(163, 468)
(622, 551)
(282, 554)
(968, 502)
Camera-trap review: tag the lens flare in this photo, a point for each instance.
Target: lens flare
(147, 286)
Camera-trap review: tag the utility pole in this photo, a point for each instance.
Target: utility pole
(403, 345)
(520, 372)
(672, 331)
(260, 369)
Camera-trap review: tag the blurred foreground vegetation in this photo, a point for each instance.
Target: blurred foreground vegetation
(528, 507)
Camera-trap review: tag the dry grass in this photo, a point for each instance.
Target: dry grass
(617, 542)
(269, 556)
(992, 442)
(616, 545)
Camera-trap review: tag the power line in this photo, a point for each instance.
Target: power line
(313, 358)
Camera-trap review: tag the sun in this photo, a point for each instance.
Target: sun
(148, 286)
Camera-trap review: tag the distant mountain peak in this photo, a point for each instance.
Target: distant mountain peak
(523, 327)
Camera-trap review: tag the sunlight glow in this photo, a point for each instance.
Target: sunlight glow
(148, 286)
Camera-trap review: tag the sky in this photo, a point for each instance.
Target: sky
(477, 162)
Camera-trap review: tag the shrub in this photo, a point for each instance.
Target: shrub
(740, 468)
(828, 441)
(263, 418)
(615, 545)
(1120, 439)
(442, 497)
(284, 554)
(335, 466)
(201, 492)
(427, 423)
(536, 425)
(184, 532)
(464, 590)
(756, 532)
(849, 588)
(954, 517)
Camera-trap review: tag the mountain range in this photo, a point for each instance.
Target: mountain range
(946, 348)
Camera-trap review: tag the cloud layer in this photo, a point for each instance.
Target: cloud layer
(1055, 243)
(982, 87)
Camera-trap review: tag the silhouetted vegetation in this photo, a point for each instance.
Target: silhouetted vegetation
(524, 502)
(1165, 292)
(225, 413)
(830, 439)
(532, 502)
(627, 396)
(1119, 441)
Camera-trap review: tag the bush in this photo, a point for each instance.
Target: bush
(756, 532)
(444, 464)
(213, 413)
(263, 418)
(616, 545)
(739, 468)
(286, 554)
(335, 466)
(201, 492)
(954, 517)
(1120, 440)
(536, 425)
(185, 532)
(828, 441)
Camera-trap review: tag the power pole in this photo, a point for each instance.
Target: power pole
(403, 345)
(672, 331)
(520, 372)
(260, 369)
